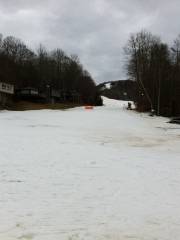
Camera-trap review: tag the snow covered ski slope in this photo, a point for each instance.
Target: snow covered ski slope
(102, 174)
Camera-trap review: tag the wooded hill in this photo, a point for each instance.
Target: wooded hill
(42, 69)
(155, 67)
(119, 89)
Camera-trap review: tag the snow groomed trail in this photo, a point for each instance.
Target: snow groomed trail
(102, 174)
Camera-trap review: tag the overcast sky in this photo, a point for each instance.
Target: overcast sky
(95, 30)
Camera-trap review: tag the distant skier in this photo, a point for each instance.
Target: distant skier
(152, 113)
(129, 106)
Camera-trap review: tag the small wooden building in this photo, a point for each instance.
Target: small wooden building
(6, 94)
(29, 94)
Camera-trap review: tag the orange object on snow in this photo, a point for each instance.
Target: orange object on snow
(88, 107)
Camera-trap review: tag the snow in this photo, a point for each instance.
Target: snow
(102, 174)
(108, 85)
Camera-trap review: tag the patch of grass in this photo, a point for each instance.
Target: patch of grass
(24, 106)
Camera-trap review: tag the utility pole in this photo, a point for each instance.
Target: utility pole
(139, 80)
(159, 95)
(176, 51)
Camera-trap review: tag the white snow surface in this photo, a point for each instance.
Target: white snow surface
(108, 85)
(102, 174)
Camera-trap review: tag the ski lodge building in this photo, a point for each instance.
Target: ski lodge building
(6, 94)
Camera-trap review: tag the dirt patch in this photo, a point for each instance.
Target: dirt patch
(23, 106)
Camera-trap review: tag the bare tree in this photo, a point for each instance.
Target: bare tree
(148, 62)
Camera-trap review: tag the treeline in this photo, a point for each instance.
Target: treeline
(23, 67)
(155, 67)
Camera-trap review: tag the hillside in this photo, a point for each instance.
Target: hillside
(120, 90)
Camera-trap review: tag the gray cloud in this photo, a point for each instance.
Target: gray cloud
(95, 30)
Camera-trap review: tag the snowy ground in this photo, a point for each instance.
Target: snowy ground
(102, 174)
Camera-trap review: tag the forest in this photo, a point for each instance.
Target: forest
(155, 67)
(152, 64)
(42, 69)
